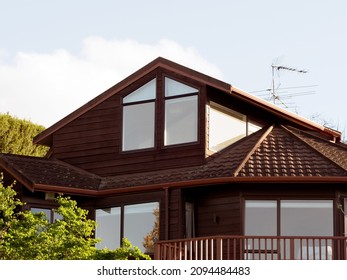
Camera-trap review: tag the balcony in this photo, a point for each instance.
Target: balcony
(253, 248)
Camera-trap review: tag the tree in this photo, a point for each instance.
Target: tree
(16, 136)
(30, 236)
(27, 235)
(153, 235)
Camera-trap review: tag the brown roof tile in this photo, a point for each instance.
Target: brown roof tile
(35, 170)
(336, 152)
(283, 154)
(272, 152)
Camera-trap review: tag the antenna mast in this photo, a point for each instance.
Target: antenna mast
(274, 96)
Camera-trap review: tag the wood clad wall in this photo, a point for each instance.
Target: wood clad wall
(218, 213)
(176, 227)
(93, 140)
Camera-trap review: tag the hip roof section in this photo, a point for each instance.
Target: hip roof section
(273, 154)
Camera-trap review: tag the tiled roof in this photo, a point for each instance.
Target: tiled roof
(283, 154)
(44, 171)
(275, 151)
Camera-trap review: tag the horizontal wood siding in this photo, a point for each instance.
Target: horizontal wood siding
(175, 214)
(218, 214)
(93, 140)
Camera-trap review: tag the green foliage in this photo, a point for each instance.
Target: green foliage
(30, 236)
(16, 136)
(8, 205)
(126, 252)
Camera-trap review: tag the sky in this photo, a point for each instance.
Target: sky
(57, 55)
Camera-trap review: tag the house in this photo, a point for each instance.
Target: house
(220, 173)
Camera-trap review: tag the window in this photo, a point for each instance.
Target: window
(296, 218)
(307, 217)
(108, 227)
(190, 223)
(253, 127)
(181, 113)
(139, 222)
(261, 217)
(50, 214)
(226, 126)
(139, 118)
(288, 218)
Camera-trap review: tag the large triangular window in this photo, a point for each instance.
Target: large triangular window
(143, 106)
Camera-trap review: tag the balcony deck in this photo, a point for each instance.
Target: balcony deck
(253, 248)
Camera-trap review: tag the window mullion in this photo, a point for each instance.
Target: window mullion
(278, 217)
(121, 224)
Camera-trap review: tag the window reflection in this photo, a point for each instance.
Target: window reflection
(307, 217)
(139, 221)
(140, 227)
(181, 113)
(138, 126)
(261, 217)
(181, 120)
(138, 118)
(108, 227)
(225, 127)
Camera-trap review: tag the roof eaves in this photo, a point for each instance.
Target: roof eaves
(19, 176)
(336, 135)
(203, 182)
(44, 137)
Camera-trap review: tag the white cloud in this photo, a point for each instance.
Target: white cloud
(46, 87)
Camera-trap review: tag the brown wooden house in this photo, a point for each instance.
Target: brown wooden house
(226, 175)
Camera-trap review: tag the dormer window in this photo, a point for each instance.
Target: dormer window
(227, 126)
(138, 118)
(181, 113)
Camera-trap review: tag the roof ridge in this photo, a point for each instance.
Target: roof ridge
(340, 145)
(255, 147)
(318, 152)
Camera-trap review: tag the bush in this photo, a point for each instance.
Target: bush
(29, 236)
(126, 252)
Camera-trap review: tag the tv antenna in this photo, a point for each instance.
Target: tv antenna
(273, 92)
(277, 94)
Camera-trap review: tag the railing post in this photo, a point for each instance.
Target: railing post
(292, 249)
(156, 255)
(219, 248)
